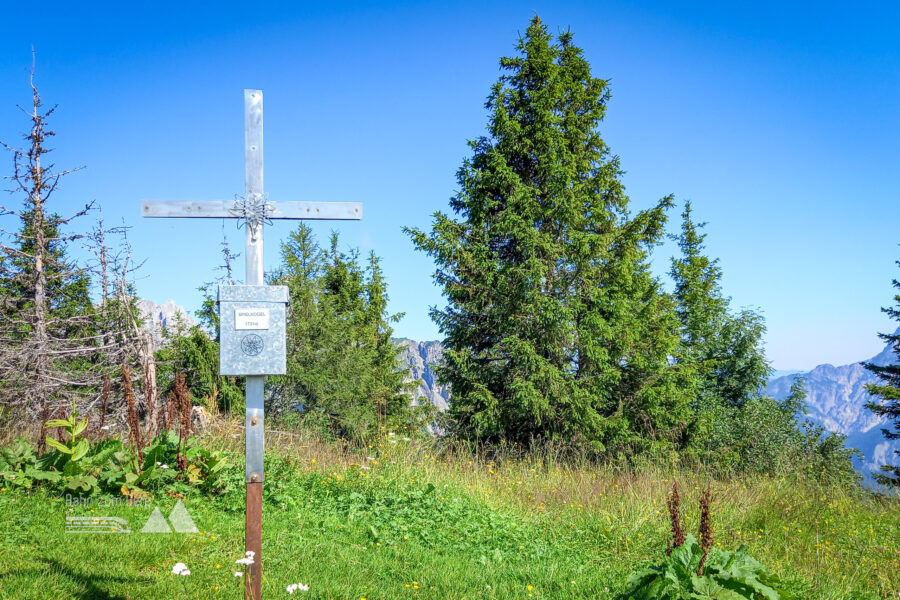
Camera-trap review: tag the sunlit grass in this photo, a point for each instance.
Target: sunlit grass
(404, 519)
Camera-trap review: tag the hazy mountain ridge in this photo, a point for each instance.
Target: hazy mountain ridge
(836, 399)
(158, 317)
(421, 358)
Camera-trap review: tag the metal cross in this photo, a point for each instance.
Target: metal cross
(255, 211)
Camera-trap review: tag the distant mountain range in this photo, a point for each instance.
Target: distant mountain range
(836, 399)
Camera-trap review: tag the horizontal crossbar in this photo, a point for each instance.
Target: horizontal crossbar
(222, 209)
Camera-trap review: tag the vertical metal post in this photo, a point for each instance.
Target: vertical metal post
(254, 448)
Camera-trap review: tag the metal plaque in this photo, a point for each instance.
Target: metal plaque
(252, 337)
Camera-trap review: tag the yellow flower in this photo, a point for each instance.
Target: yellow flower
(529, 587)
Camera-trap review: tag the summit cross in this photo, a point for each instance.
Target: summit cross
(255, 211)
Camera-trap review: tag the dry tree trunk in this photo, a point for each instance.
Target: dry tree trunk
(104, 393)
(134, 424)
(183, 407)
(39, 323)
(148, 362)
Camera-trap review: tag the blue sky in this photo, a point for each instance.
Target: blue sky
(779, 121)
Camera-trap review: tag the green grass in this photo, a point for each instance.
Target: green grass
(416, 526)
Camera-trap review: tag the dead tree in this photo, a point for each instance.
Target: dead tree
(56, 345)
(42, 329)
(125, 342)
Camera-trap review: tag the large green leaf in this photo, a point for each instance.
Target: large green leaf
(80, 427)
(39, 475)
(58, 445)
(81, 448)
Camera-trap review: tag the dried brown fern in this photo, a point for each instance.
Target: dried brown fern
(675, 518)
(706, 532)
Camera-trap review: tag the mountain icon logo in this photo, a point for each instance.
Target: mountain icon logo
(180, 519)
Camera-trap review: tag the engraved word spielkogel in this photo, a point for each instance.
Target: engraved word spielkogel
(251, 318)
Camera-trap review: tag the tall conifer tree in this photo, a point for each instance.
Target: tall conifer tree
(724, 349)
(554, 325)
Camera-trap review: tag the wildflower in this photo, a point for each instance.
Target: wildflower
(180, 569)
(297, 586)
(105, 428)
(238, 574)
(164, 466)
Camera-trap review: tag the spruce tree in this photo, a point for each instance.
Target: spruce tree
(554, 326)
(342, 366)
(697, 290)
(888, 391)
(723, 348)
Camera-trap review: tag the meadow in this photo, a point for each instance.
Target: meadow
(405, 519)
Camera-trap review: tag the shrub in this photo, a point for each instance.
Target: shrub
(726, 576)
(109, 466)
(694, 570)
